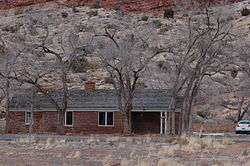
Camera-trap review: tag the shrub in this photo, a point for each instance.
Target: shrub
(18, 11)
(79, 65)
(204, 114)
(92, 13)
(11, 29)
(64, 14)
(245, 153)
(169, 13)
(96, 5)
(227, 141)
(157, 23)
(162, 65)
(245, 12)
(74, 9)
(144, 18)
(119, 11)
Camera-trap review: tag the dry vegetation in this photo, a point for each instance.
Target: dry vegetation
(125, 151)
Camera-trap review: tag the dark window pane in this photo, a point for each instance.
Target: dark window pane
(69, 118)
(101, 118)
(109, 118)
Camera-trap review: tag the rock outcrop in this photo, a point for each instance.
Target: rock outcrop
(125, 5)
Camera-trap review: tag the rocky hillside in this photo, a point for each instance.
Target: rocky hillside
(128, 5)
(86, 17)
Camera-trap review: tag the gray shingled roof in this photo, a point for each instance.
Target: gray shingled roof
(147, 99)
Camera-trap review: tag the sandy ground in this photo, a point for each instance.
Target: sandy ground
(125, 151)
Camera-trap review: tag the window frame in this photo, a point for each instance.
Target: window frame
(106, 119)
(26, 118)
(65, 119)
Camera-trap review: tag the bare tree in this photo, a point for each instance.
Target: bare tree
(44, 60)
(200, 50)
(125, 52)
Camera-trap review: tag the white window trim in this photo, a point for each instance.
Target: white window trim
(25, 117)
(106, 119)
(65, 116)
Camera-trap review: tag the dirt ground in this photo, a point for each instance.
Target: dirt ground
(124, 151)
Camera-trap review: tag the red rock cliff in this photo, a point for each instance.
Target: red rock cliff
(126, 5)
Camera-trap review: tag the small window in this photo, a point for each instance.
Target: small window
(106, 119)
(28, 118)
(102, 118)
(68, 118)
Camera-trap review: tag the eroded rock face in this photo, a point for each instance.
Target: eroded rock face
(126, 5)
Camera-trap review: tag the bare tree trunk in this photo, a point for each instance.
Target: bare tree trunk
(239, 117)
(7, 97)
(187, 105)
(128, 120)
(7, 93)
(60, 125)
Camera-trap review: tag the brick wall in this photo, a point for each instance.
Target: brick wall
(46, 122)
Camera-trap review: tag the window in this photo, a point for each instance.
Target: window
(28, 118)
(244, 122)
(106, 118)
(68, 118)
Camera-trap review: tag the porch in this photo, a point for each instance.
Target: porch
(156, 122)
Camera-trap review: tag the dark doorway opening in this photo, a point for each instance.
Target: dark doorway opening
(146, 122)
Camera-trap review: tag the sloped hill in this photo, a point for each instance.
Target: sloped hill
(127, 5)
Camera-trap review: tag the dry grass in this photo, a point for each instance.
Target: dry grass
(28, 139)
(107, 161)
(227, 141)
(192, 145)
(124, 162)
(168, 162)
(76, 155)
(247, 163)
(213, 128)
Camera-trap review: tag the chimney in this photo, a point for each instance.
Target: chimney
(89, 86)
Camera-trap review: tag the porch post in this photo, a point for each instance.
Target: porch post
(173, 123)
(169, 122)
(161, 121)
(165, 122)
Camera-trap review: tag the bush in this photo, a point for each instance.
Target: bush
(144, 18)
(79, 65)
(119, 11)
(245, 12)
(64, 14)
(245, 153)
(162, 65)
(74, 9)
(204, 114)
(227, 141)
(157, 23)
(96, 5)
(92, 13)
(169, 13)
(18, 11)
